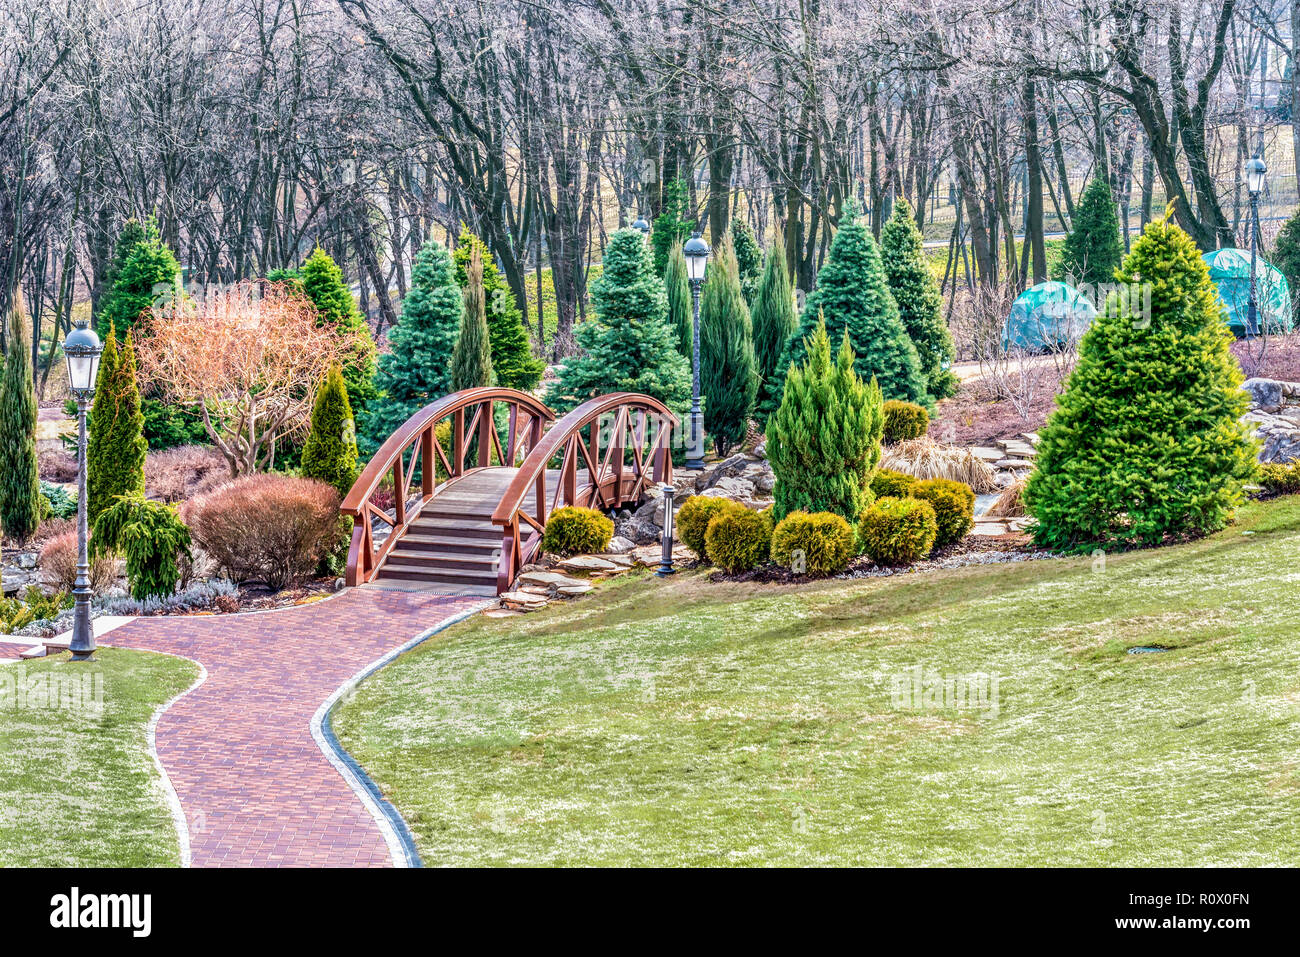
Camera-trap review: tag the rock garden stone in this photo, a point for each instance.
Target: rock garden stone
(618, 545)
(1274, 418)
(588, 563)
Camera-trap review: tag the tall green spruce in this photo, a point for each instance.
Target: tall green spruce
(322, 282)
(728, 373)
(1286, 251)
(417, 368)
(824, 439)
(1144, 443)
(673, 224)
(115, 443)
(512, 357)
(852, 295)
(1093, 248)
(330, 453)
(920, 303)
(629, 345)
(471, 360)
(774, 321)
(20, 487)
(749, 258)
(143, 270)
(681, 314)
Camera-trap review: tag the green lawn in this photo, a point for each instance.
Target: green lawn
(77, 785)
(700, 723)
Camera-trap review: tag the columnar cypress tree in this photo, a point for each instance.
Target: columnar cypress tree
(728, 377)
(853, 296)
(20, 488)
(774, 322)
(672, 225)
(749, 258)
(629, 345)
(1093, 248)
(681, 314)
(471, 360)
(417, 368)
(115, 443)
(322, 282)
(920, 304)
(824, 439)
(147, 271)
(512, 357)
(1144, 443)
(330, 453)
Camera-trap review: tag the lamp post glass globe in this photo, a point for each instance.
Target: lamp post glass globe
(82, 350)
(641, 224)
(696, 252)
(1255, 173)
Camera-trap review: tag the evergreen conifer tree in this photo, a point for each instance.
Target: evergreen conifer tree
(774, 321)
(513, 361)
(681, 314)
(20, 488)
(471, 360)
(1286, 252)
(852, 295)
(728, 377)
(824, 439)
(1093, 248)
(920, 304)
(330, 453)
(629, 345)
(115, 443)
(749, 258)
(1144, 443)
(672, 224)
(322, 282)
(148, 271)
(417, 368)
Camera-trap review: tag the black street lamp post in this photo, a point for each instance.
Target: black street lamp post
(696, 252)
(1255, 170)
(82, 349)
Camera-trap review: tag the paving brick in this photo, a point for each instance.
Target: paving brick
(255, 788)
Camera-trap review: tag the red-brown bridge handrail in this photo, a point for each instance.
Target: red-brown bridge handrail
(611, 481)
(527, 416)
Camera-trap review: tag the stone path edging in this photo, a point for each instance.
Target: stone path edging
(397, 835)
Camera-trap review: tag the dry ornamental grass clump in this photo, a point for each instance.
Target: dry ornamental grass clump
(927, 459)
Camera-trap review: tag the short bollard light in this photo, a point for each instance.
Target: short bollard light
(666, 557)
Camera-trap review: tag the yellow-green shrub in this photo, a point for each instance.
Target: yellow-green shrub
(576, 531)
(825, 540)
(898, 531)
(1280, 478)
(954, 507)
(888, 483)
(693, 520)
(904, 420)
(738, 539)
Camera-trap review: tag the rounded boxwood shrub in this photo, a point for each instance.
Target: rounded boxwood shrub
(904, 420)
(738, 539)
(693, 520)
(1280, 478)
(890, 484)
(953, 504)
(824, 540)
(576, 531)
(898, 531)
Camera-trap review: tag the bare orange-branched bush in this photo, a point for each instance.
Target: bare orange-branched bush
(248, 358)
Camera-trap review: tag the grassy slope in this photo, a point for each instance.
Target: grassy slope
(79, 789)
(714, 724)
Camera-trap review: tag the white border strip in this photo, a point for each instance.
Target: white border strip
(169, 791)
(397, 849)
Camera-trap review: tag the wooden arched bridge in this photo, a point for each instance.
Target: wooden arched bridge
(457, 499)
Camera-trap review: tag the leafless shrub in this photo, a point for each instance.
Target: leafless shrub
(56, 465)
(177, 474)
(58, 563)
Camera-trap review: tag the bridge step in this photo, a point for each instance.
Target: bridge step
(450, 541)
(485, 562)
(449, 576)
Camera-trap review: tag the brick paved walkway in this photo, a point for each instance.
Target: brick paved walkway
(254, 787)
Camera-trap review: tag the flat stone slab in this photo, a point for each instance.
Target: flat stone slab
(501, 613)
(547, 579)
(571, 591)
(987, 454)
(588, 563)
(1013, 464)
(989, 529)
(523, 599)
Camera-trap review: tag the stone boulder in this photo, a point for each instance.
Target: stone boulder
(1274, 418)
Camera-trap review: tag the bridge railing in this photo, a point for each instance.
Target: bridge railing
(608, 450)
(417, 463)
